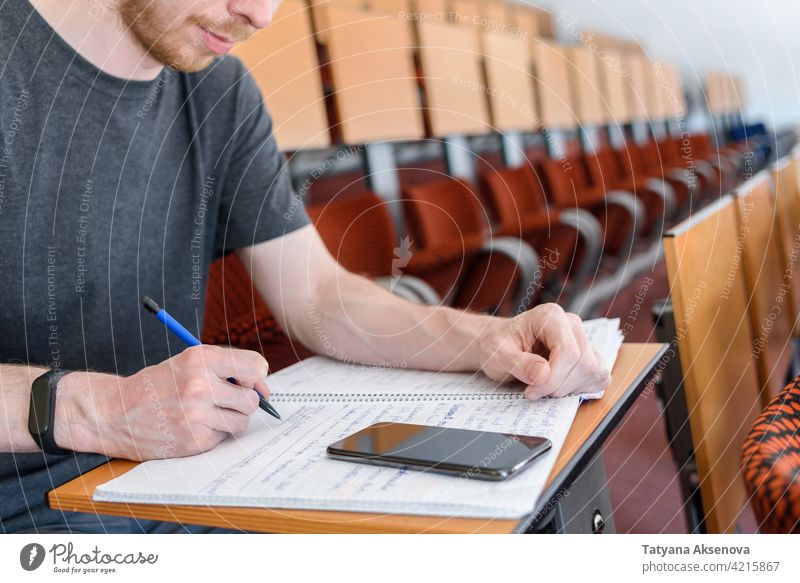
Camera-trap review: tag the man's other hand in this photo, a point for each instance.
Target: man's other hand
(545, 348)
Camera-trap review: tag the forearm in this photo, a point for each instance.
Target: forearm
(351, 318)
(74, 406)
(346, 316)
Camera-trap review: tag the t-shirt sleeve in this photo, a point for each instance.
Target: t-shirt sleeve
(258, 202)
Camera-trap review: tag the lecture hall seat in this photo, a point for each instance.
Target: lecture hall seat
(720, 381)
(659, 202)
(358, 231)
(727, 161)
(459, 258)
(567, 185)
(680, 153)
(632, 165)
(567, 244)
(656, 162)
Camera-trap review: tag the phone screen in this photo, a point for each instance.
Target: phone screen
(468, 453)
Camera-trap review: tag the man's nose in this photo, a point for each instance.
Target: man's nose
(258, 13)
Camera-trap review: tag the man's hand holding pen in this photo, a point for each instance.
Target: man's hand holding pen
(182, 406)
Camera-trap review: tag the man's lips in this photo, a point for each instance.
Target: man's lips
(216, 43)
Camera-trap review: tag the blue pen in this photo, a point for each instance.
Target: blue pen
(174, 326)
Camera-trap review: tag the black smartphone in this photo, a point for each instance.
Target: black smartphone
(460, 452)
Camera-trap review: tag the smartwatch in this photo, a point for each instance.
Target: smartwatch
(42, 412)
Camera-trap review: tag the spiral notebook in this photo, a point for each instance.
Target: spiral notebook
(326, 380)
(282, 464)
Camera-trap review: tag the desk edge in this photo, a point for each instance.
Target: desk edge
(594, 442)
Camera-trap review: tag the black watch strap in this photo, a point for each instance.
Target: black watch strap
(42, 411)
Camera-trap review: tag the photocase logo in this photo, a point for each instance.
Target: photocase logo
(31, 556)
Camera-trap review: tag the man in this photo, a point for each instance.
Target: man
(134, 153)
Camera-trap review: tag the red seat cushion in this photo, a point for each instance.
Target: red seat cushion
(359, 233)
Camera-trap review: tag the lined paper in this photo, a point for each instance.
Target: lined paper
(283, 464)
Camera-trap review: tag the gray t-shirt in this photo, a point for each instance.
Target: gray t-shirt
(110, 190)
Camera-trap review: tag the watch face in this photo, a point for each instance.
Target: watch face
(39, 416)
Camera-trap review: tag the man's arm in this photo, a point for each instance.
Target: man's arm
(182, 406)
(346, 316)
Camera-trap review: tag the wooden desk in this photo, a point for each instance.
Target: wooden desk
(594, 421)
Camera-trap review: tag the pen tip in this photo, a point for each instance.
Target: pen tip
(150, 304)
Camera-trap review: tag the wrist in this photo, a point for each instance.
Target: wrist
(78, 423)
(479, 332)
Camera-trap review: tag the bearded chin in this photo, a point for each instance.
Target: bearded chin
(160, 40)
(180, 59)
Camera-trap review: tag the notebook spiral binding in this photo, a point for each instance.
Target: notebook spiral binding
(380, 397)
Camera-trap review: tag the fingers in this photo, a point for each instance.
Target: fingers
(552, 327)
(573, 363)
(199, 438)
(246, 366)
(230, 396)
(530, 368)
(535, 392)
(507, 358)
(227, 420)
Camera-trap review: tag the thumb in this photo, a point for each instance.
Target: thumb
(534, 392)
(531, 369)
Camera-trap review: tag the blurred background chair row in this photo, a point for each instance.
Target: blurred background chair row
(455, 103)
(457, 153)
